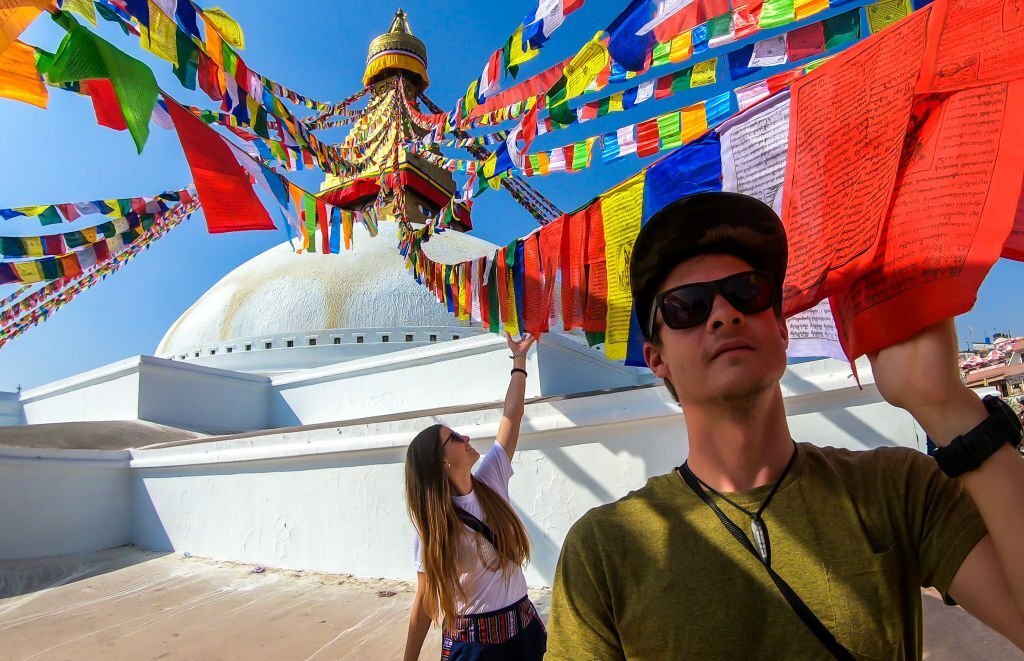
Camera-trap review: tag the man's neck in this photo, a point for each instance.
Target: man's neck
(739, 452)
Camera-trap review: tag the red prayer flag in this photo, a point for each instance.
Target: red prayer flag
(806, 41)
(229, 202)
(105, 104)
(209, 81)
(534, 309)
(323, 221)
(663, 87)
(647, 137)
(746, 19)
(53, 245)
(573, 235)
(550, 254)
(595, 308)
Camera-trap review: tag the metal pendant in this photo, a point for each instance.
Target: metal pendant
(760, 535)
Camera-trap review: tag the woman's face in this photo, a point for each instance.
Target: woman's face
(457, 451)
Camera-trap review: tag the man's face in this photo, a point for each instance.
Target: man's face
(731, 357)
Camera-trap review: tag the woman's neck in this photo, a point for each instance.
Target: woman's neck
(461, 484)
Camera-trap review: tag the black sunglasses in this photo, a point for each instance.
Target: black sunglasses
(455, 436)
(690, 305)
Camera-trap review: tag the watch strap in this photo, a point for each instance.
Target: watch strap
(968, 451)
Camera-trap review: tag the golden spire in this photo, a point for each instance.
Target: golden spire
(397, 51)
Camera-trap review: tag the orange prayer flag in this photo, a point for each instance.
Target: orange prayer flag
(15, 16)
(19, 79)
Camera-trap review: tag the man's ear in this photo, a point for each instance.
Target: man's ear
(655, 361)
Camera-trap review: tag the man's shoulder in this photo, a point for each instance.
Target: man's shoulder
(844, 458)
(634, 511)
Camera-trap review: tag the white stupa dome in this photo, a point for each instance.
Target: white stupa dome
(280, 292)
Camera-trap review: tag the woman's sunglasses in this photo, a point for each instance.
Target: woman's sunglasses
(458, 438)
(690, 305)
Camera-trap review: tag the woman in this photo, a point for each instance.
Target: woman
(470, 545)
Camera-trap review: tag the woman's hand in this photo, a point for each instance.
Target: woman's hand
(522, 345)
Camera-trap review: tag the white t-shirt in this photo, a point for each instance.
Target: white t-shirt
(486, 590)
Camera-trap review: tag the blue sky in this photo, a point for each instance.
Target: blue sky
(318, 49)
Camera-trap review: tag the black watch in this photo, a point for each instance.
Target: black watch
(970, 450)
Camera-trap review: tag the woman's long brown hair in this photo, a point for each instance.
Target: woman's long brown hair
(429, 498)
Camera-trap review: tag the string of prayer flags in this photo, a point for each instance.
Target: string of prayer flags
(54, 214)
(808, 41)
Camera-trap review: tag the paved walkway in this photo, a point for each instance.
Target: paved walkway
(130, 604)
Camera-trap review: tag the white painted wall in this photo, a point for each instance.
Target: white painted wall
(158, 390)
(11, 411)
(467, 371)
(107, 393)
(331, 499)
(57, 502)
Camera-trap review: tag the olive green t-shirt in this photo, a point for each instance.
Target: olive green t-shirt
(656, 575)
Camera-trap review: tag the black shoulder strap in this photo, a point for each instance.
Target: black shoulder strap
(476, 525)
(820, 631)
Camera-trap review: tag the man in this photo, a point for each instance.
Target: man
(762, 548)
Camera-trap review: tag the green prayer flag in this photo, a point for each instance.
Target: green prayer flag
(669, 130)
(74, 239)
(661, 53)
(309, 206)
(681, 80)
(842, 29)
(259, 125)
(49, 216)
(492, 298)
(83, 55)
(51, 269)
(147, 220)
(124, 206)
(230, 59)
(107, 229)
(579, 155)
(720, 26)
(776, 12)
(603, 106)
(188, 59)
(594, 338)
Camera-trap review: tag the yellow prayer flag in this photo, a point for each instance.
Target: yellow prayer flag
(470, 98)
(512, 325)
(681, 47)
(585, 66)
(621, 210)
(804, 8)
(159, 38)
(90, 234)
(228, 27)
(516, 54)
(83, 8)
(115, 208)
(695, 122)
(33, 246)
(884, 13)
(704, 73)
(15, 16)
(28, 272)
(615, 102)
(32, 210)
(19, 79)
(543, 161)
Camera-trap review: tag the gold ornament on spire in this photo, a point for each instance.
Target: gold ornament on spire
(397, 51)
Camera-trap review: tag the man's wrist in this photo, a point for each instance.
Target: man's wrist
(945, 421)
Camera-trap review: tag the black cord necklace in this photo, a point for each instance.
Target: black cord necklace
(757, 527)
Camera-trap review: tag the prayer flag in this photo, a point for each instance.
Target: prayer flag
(19, 79)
